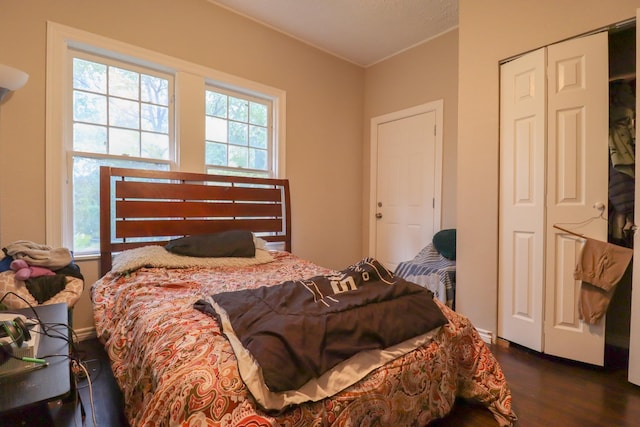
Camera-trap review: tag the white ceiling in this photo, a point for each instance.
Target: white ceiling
(361, 31)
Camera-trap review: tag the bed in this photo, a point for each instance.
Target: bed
(176, 365)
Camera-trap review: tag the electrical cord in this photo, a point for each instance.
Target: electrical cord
(77, 367)
(48, 329)
(95, 375)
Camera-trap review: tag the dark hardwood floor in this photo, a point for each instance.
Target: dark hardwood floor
(550, 392)
(546, 391)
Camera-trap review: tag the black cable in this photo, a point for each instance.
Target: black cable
(45, 329)
(49, 329)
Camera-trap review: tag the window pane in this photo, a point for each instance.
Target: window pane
(155, 118)
(124, 142)
(124, 83)
(155, 146)
(258, 114)
(216, 104)
(89, 138)
(238, 109)
(238, 156)
(238, 133)
(216, 154)
(86, 199)
(216, 129)
(155, 90)
(89, 76)
(124, 113)
(90, 108)
(258, 137)
(258, 159)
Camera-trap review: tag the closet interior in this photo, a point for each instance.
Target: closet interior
(622, 105)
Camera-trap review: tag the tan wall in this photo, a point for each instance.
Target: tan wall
(324, 112)
(492, 30)
(426, 73)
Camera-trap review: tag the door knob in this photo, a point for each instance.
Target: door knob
(378, 215)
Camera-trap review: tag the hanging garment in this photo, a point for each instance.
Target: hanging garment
(622, 128)
(621, 207)
(600, 268)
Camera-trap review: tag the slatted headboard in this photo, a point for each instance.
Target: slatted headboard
(142, 207)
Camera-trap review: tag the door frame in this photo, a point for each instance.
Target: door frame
(438, 107)
(634, 332)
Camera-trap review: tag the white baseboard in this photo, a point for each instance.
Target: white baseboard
(487, 336)
(85, 333)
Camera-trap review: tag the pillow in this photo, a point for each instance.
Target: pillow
(445, 243)
(232, 243)
(157, 256)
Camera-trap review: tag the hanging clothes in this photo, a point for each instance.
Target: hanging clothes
(621, 207)
(621, 162)
(622, 127)
(600, 268)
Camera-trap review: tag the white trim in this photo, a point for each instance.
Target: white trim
(84, 334)
(438, 107)
(486, 336)
(59, 39)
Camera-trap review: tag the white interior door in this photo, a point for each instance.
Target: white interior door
(406, 159)
(522, 199)
(577, 156)
(634, 341)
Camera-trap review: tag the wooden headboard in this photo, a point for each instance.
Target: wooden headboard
(142, 207)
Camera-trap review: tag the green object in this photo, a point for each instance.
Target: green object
(445, 243)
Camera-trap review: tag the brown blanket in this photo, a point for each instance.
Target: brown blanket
(300, 329)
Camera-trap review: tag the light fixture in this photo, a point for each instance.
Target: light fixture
(11, 79)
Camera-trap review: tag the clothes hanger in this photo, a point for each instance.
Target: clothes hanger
(599, 206)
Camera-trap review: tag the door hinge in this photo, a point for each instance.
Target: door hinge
(434, 130)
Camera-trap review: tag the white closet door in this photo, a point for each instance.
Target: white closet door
(634, 341)
(577, 180)
(522, 198)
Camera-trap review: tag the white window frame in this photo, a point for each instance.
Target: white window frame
(190, 82)
(270, 143)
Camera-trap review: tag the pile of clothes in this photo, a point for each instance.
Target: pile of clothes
(43, 269)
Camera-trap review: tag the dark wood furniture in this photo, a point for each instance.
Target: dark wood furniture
(153, 207)
(53, 382)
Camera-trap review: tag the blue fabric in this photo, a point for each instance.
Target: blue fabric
(5, 263)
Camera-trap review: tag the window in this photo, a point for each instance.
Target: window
(110, 103)
(120, 117)
(237, 134)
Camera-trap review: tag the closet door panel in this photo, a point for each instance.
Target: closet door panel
(522, 187)
(577, 166)
(566, 309)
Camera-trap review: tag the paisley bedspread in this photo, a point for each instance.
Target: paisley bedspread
(175, 368)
